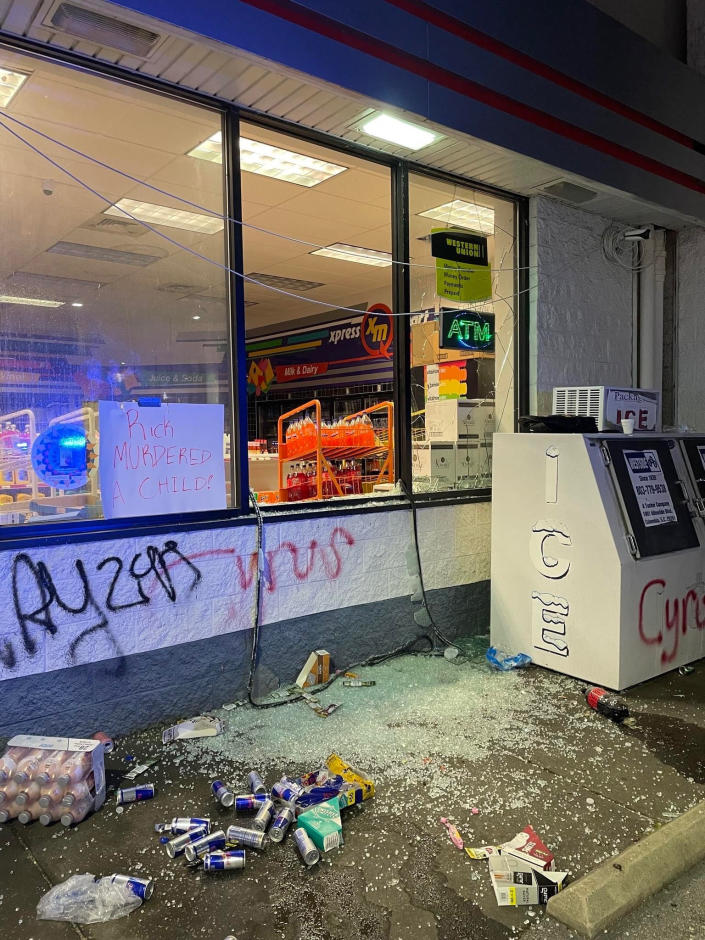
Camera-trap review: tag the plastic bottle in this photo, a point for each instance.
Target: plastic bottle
(29, 813)
(74, 814)
(9, 761)
(75, 768)
(9, 792)
(52, 795)
(9, 812)
(368, 432)
(607, 704)
(79, 791)
(28, 766)
(30, 794)
(51, 815)
(51, 767)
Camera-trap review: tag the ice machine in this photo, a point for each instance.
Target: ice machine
(598, 552)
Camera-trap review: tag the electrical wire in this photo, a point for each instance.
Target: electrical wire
(214, 213)
(627, 253)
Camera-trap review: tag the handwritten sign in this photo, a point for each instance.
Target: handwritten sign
(160, 460)
(650, 487)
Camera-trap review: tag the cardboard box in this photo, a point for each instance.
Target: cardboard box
(460, 419)
(316, 669)
(434, 461)
(517, 883)
(322, 823)
(473, 463)
(72, 745)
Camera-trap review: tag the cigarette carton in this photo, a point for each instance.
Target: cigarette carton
(322, 823)
(316, 669)
(526, 846)
(516, 883)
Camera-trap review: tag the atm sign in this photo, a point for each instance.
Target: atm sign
(467, 330)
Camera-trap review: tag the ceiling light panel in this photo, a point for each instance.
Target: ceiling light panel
(30, 301)
(95, 253)
(166, 216)
(378, 259)
(402, 133)
(465, 214)
(10, 84)
(283, 283)
(275, 162)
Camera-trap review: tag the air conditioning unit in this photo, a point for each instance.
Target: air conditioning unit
(608, 405)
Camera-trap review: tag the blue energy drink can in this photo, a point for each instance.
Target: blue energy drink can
(142, 887)
(224, 795)
(282, 821)
(264, 816)
(182, 824)
(133, 794)
(255, 782)
(287, 791)
(250, 838)
(224, 861)
(178, 845)
(250, 802)
(209, 843)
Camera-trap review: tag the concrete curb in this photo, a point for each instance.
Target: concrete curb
(597, 900)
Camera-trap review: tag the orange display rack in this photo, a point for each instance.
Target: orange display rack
(328, 444)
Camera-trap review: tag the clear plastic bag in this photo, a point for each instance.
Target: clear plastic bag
(85, 900)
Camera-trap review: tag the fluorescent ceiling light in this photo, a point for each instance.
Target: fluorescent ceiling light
(284, 283)
(275, 162)
(466, 214)
(399, 132)
(211, 149)
(10, 84)
(95, 253)
(164, 215)
(76, 305)
(30, 301)
(378, 259)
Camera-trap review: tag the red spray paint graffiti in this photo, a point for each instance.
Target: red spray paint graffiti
(674, 618)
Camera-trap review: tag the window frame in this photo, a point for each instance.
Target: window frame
(232, 115)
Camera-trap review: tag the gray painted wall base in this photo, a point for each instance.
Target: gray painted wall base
(128, 693)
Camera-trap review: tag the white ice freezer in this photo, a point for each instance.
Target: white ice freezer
(598, 557)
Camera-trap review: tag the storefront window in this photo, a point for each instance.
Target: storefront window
(320, 335)
(463, 264)
(114, 392)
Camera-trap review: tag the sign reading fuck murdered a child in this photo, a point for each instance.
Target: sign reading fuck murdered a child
(163, 459)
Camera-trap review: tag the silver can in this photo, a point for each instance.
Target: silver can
(256, 783)
(142, 887)
(209, 843)
(250, 838)
(132, 794)
(307, 850)
(264, 816)
(178, 845)
(224, 861)
(282, 821)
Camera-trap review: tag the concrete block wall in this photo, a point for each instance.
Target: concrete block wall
(581, 304)
(690, 389)
(128, 631)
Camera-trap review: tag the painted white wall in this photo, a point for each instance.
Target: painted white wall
(690, 387)
(313, 565)
(581, 304)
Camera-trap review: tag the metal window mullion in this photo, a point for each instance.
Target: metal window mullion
(401, 300)
(237, 355)
(522, 314)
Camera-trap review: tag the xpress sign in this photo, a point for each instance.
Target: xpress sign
(467, 330)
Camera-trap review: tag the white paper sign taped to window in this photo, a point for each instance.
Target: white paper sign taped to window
(160, 460)
(650, 487)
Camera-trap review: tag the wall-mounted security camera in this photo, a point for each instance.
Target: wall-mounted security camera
(641, 234)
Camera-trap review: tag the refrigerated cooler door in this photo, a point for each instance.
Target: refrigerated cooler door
(651, 494)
